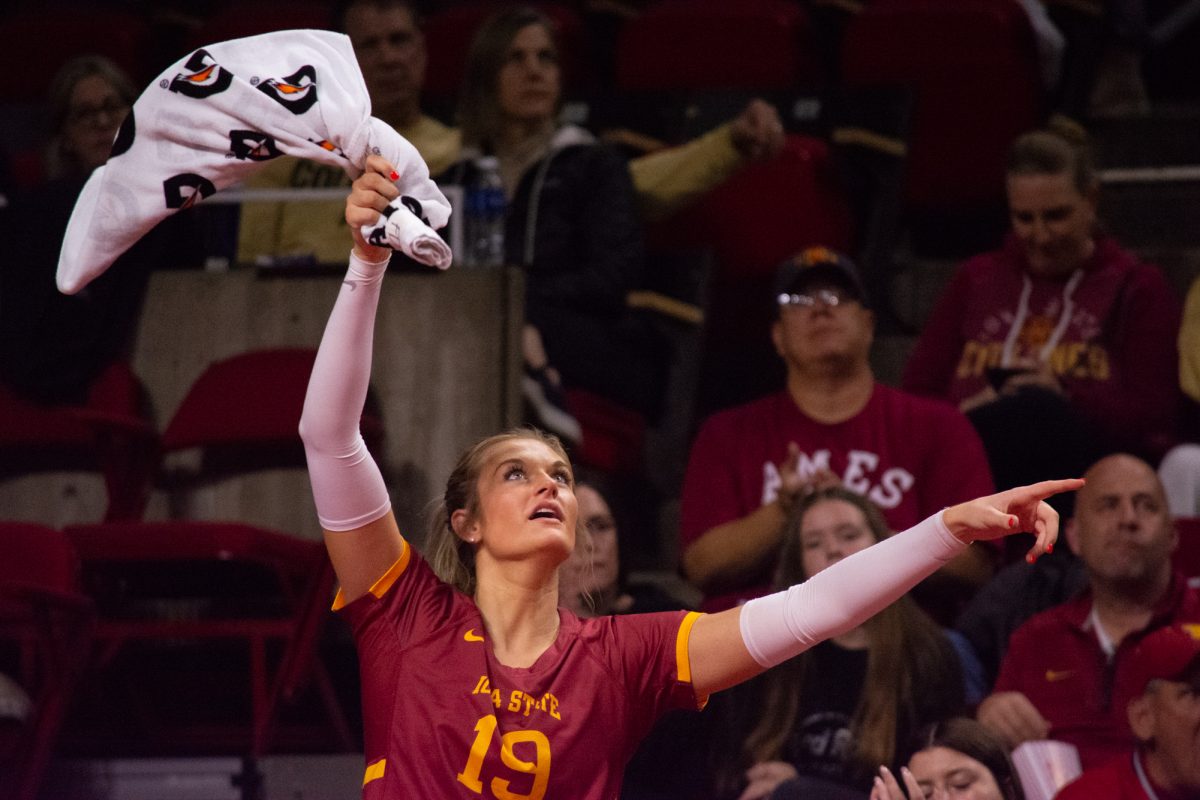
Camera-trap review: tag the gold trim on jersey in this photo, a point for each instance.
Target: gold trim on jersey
(683, 663)
(374, 771)
(381, 586)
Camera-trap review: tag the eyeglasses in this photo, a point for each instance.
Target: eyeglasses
(831, 298)
(91, 115)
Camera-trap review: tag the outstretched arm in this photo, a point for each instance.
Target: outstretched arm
(732, 646)
(348, 488)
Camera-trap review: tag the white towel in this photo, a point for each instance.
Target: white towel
(214, 117)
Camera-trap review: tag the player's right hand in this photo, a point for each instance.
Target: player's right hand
(1011, 716)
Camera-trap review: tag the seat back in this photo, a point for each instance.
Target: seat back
(971, 66)
(39, 41)
(239, 20)
(680, 45)
(45, 619)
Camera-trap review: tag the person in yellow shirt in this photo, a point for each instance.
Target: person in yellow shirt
(389, 43)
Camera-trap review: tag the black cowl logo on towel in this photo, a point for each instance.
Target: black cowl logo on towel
(253, 146)
(184, 191)
(296, 92)
(204, 76)
(125, 135)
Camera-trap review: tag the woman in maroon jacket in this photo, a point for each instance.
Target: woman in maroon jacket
(1060, 337)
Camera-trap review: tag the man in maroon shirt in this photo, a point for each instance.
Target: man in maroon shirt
(833, 422)
(1068, 673)
(1165, 718)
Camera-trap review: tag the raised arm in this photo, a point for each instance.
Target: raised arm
(732, 646)
(348, 488)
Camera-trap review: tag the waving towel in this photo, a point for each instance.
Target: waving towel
(214, 117)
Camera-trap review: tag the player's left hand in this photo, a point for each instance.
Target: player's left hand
(1022, 509)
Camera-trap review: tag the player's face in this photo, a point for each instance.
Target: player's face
(1053, 221)
(945, 774)
(1175, 709)
(391, 54)
(528, 84)
(806, 336)
(527, 503)
(830, 531)
(94, 114)
(1122, 528)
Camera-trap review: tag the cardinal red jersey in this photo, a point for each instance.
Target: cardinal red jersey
(443, 718)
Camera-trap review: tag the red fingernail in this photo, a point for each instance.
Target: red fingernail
(1029, 558)
(395, 175)
(1049, 548)
(1012, 522)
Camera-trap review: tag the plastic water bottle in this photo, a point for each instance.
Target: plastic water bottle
(485, 204)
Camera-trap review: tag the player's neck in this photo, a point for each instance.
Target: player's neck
(831, 396)
(521, 615)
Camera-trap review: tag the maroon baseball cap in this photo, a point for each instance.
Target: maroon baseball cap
(1168, 654)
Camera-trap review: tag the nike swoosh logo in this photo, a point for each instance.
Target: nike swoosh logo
(1055, 675)
(471, 636)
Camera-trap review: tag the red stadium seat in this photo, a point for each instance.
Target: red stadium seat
(239, 20)
(265, 590)
(711, 44)
(972, 68)
(107, 435)
(46, 620)
(38, 42)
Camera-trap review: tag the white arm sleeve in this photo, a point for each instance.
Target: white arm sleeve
(846, 594)
(347, 485)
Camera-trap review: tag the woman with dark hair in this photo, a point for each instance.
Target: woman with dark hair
(474, 681)
(1061, 340)
(572, 222)
(840, 708)
(956, 758)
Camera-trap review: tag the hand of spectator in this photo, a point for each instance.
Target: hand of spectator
(1040, 375)
(757, 132)
(369, 196)
(886, 787)
(764, 776)
(1011, 716)
(793, 486)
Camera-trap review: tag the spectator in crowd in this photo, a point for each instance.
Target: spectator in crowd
(835, 712)
(1012, 596)
(1067, 673)
(390, 46)
(832, 422)
(1061, 340)
(1180, 467)
(55, 348)
(1164, 715)
(957, 758)
(590, 582)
